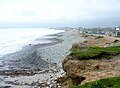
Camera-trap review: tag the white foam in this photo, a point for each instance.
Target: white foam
(13, 39)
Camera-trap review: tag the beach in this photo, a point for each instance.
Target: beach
(38, 65)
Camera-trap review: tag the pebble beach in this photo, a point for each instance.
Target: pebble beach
(39, 65)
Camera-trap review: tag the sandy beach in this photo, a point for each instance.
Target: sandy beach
(37, 66)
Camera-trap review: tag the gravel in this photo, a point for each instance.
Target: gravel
(56, 53)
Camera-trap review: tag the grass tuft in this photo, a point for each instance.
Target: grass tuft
(98, 37)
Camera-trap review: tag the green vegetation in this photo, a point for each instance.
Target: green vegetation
(98, 37)
(113, 82)
(96, 53)
(117, 36)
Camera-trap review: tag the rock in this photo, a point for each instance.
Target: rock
(48, 83)
(5, 77)
(1, 65)
(5, 86)
(42, 85)
(1, 79)
(59, 86)
(51, 76)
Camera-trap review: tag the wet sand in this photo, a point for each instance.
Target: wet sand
(37, 65)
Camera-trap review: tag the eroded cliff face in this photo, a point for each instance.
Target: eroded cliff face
(89, 70)
(81, 71)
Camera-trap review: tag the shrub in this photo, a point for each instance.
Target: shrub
(98, 37)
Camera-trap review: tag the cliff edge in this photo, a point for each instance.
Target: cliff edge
(79, 71)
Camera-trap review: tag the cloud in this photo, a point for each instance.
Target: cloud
(60, 11)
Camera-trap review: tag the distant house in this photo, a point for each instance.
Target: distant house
(117, 32)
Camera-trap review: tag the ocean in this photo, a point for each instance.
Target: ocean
(13, 39)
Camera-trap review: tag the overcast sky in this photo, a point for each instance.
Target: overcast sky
(48, 13)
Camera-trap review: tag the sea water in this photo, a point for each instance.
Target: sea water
(13, 39)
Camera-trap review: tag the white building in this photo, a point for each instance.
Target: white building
(117, 31)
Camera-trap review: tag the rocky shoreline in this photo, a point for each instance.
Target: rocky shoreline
(38, 65)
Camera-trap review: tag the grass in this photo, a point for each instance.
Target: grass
(113, 82)
(117, 36)
(96, 53)
(98, 37)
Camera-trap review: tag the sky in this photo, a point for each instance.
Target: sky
(57, 13)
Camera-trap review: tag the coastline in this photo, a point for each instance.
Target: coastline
(28, 53)
(56, 51)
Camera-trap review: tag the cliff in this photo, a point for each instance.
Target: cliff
(81, 71)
